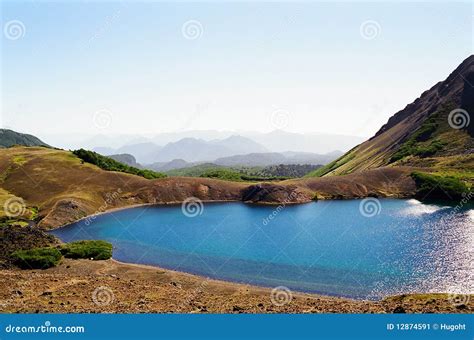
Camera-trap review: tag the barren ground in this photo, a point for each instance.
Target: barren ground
(125, 288)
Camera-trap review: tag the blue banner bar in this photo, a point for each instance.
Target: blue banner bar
(280, 326)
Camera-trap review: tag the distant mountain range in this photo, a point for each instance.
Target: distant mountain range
(143, 152)
(145, 147)
(233, 150)
(274, 158)
(252, 160)
(10, 138)
(274, 141)
(187, 149)
(199, 150)
(127, 159)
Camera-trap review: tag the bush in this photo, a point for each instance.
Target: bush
(412, 149)
(37, 258)
(438, 187)
(96, 250)
(429, 150)
(412, 146)
(109, 164)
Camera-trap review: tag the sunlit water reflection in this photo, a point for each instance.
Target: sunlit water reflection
(326, 247)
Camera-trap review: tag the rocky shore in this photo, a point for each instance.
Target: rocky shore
(84, 286)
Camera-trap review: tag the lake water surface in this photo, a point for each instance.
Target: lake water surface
(329, 247)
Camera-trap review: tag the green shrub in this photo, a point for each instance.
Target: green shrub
(411, 148)
(426, 151)
(438, 187)
(37, 258)
(95, 249)
(110, 164)
(236, 176)
(426, 130)
(224, 174)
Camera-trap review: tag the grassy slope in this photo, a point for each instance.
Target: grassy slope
(419, 136)
(448, 158)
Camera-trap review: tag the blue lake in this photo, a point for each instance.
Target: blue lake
(338, 248)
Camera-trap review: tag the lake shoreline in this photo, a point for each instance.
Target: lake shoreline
(73, 287)
(323, 279)
(177, 203)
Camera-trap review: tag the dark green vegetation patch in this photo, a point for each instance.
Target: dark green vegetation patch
(37, 258)
(15, 237)
(245, 173)
(109, 164)
(419, 143)
(236, 176)
(95, 249)
(430, 186)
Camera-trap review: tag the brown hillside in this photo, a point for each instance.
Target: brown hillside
(65, 189)
(421, 131)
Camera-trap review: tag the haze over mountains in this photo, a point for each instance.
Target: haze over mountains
(273, 158)
(276, 147)
(275, 141)
(145, 147)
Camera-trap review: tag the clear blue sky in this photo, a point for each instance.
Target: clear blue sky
(250, 60)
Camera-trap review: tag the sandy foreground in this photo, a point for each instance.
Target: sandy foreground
(84, 286)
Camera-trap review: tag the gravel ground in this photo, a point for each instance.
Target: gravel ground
(83, 286)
